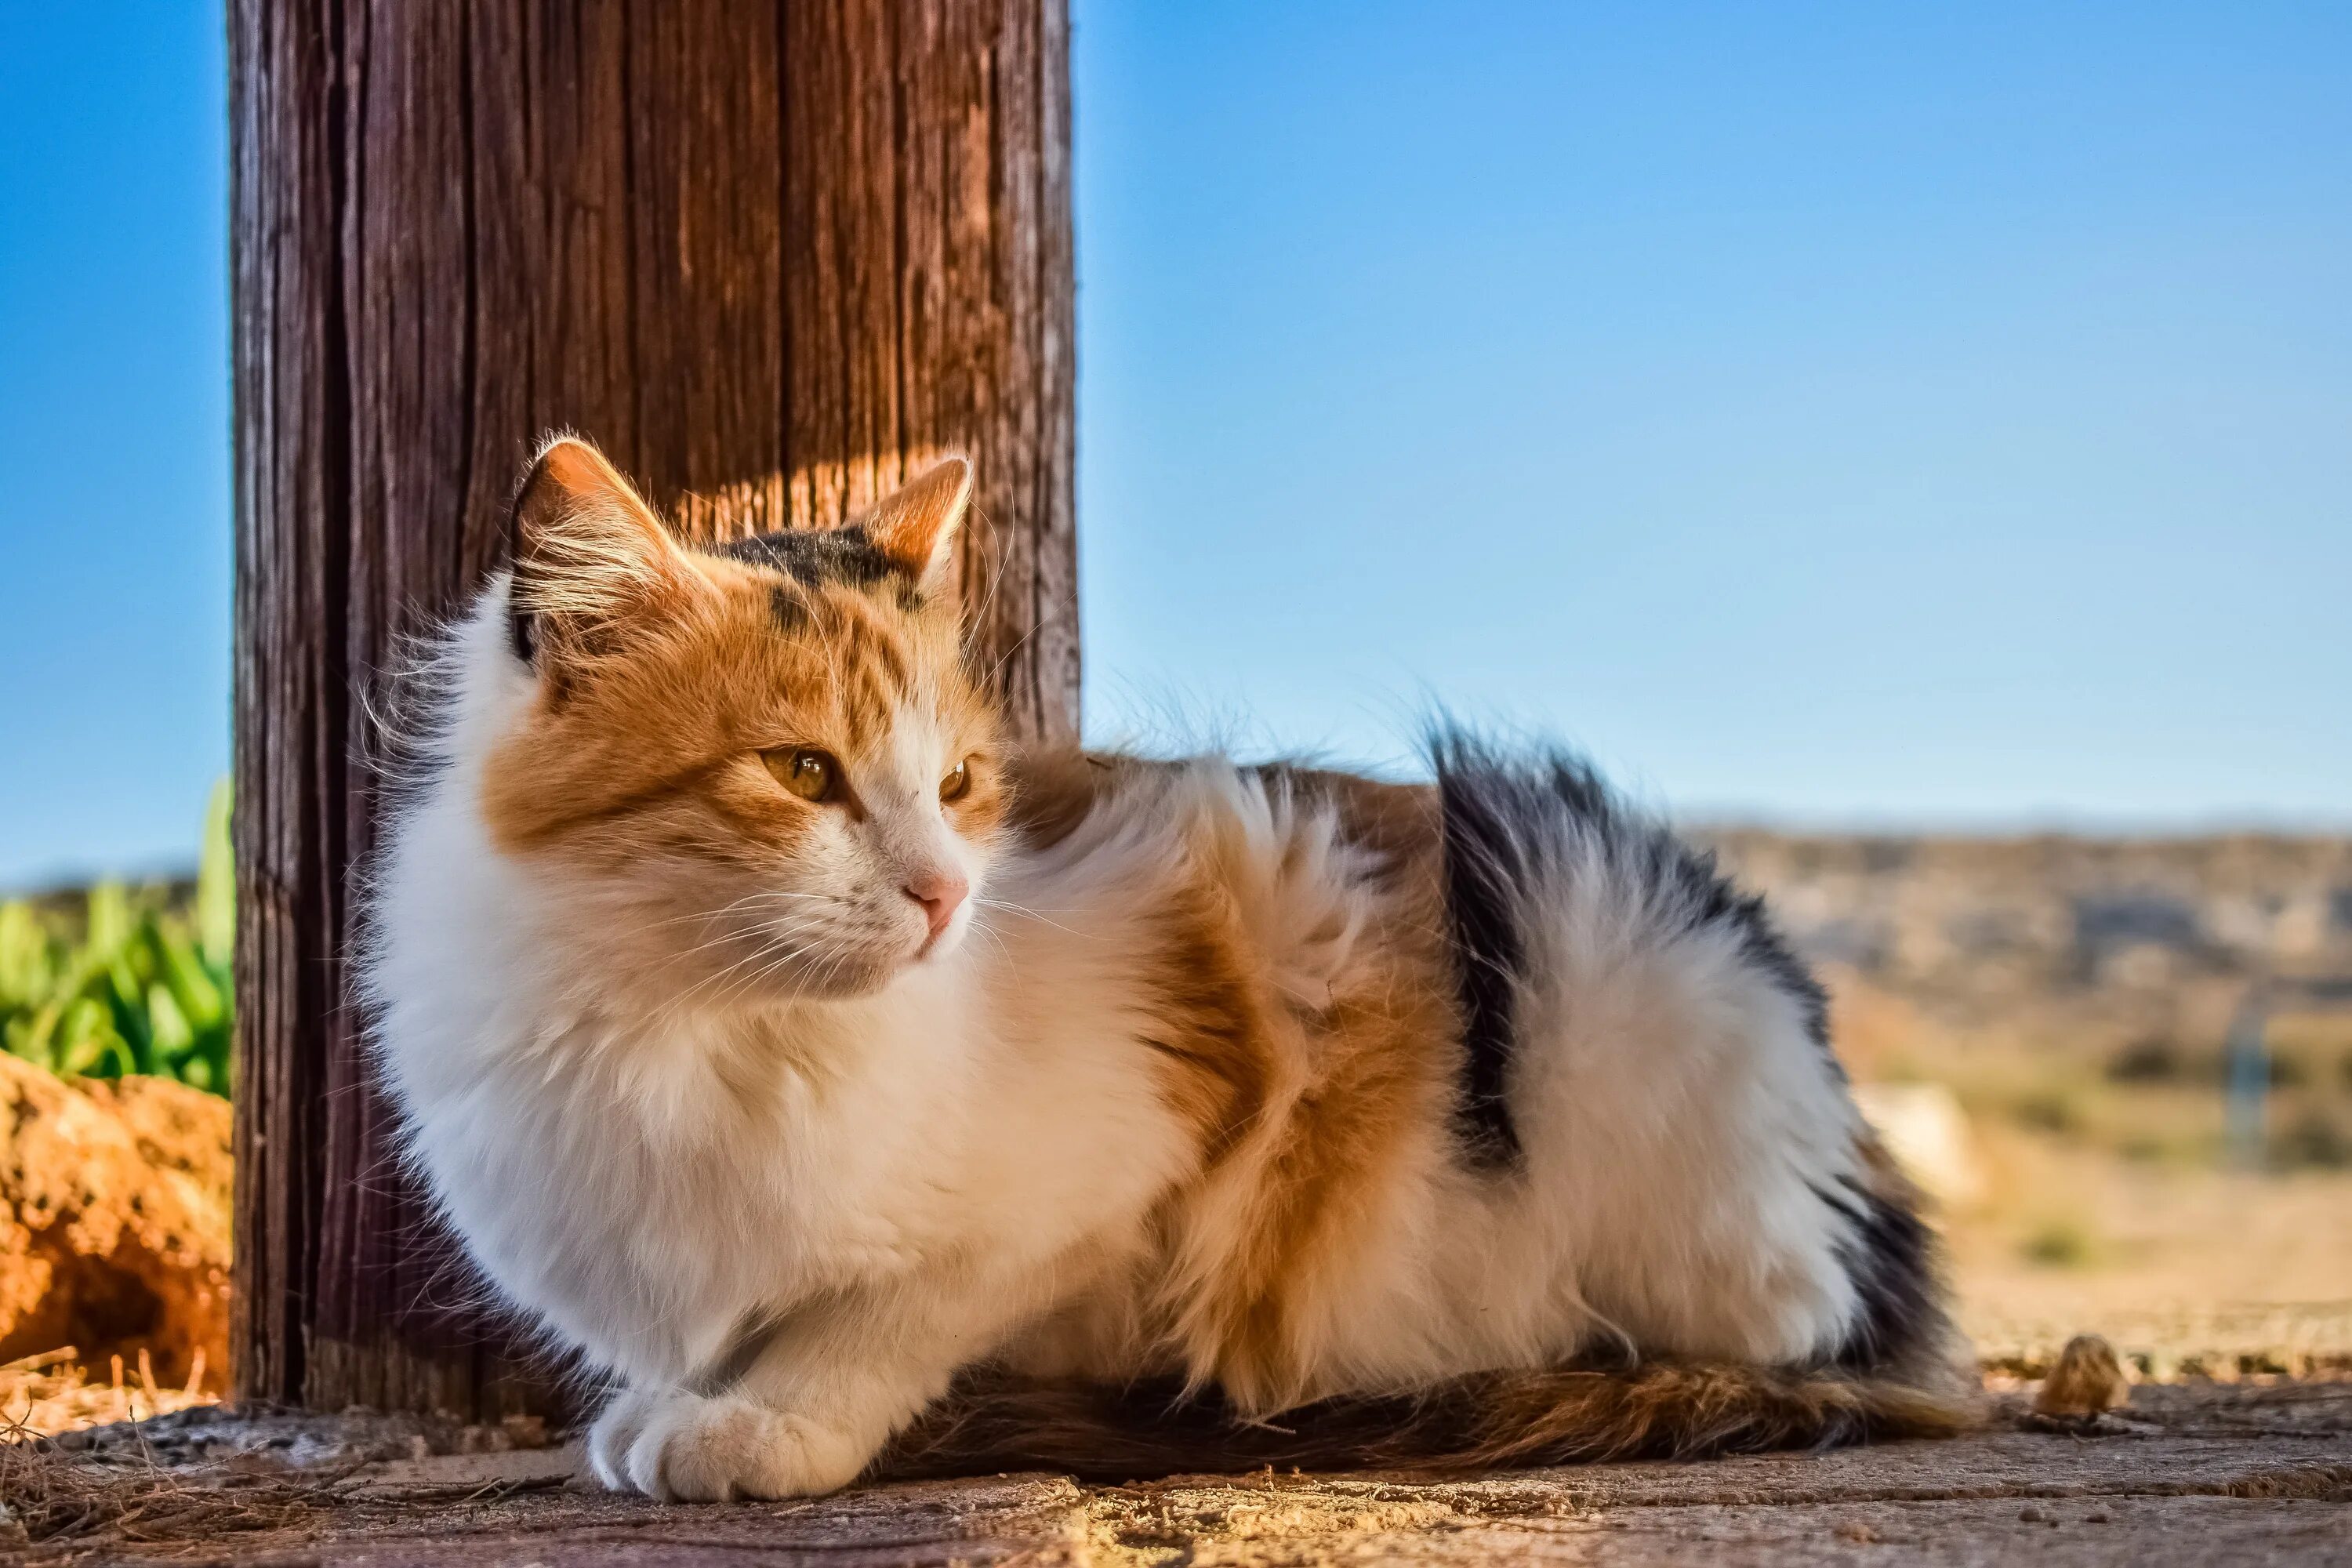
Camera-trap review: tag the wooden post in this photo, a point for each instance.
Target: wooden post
(772, 256)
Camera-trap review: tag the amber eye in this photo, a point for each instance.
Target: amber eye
(958, 783)
(806, 771)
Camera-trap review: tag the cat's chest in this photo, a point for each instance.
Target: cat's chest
(785, 1175)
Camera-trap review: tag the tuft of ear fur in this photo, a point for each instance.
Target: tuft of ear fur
(589, 554)
(913, 526)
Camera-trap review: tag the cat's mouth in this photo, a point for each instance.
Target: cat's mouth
(939, 942)
(885, 961)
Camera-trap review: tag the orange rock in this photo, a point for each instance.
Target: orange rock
(114, 1220)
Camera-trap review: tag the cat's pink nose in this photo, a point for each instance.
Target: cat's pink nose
(938, 892)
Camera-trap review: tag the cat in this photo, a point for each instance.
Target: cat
(860, 1094)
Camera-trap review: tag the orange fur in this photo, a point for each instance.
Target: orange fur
(669, 672)
(1298, 1111)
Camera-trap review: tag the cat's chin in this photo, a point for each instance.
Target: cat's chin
(839, 985)
(871, 975)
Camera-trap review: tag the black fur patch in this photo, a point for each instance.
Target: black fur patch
(1890, 1261)
(1509, 818)
(1484, 865)
(1711, 899)
(815, 556)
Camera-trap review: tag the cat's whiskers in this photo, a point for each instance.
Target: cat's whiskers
(769, 961)
(774, 933)
(763, 895)
(766, 965)
(775, 950)
(1004, 948)
(756, 931)
(833, 966)
(1024, 910)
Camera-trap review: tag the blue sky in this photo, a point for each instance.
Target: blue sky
(1827, 413)
(114, 434)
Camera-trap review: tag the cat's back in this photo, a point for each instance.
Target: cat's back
(1056, 789)
(1546, 1018)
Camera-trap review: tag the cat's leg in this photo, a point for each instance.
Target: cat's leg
(815, 1405)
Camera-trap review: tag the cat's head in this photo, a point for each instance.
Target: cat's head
(765, 766)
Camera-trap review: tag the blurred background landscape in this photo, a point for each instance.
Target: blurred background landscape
(1913, 450)
(2122, 1066)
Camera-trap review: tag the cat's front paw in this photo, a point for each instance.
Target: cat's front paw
(684, 1447)
(616, 1432)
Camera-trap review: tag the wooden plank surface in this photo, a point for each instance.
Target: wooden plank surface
(2189, 1474)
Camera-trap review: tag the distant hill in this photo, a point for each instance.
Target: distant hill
(2106, 944)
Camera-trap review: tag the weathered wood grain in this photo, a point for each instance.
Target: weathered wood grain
(772, 256)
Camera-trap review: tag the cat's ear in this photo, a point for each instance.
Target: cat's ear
(915, 526)
(590, 556)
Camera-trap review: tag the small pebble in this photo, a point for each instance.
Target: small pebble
(2096, 1516)
(1854, 1529)
(2033, 1515)
(2089, 1380)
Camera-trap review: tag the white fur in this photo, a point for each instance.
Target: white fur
(967, 1163)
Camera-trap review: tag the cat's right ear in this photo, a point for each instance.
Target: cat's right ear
(590, 556)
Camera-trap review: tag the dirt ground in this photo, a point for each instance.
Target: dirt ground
(114, 1238)
(2255, 1472)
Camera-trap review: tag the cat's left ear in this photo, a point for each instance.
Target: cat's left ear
(915, 526)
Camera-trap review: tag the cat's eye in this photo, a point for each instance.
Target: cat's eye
(958, 783)
(806, 771)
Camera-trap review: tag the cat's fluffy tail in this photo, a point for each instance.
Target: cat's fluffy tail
(1661, 1410)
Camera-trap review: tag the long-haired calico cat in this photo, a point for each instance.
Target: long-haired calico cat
(864, 1095)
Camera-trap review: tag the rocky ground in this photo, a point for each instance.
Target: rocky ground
(2197, 1473)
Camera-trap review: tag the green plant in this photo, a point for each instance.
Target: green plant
(138, 984)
